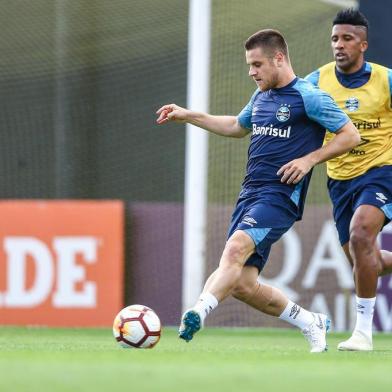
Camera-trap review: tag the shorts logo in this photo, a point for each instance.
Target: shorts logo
(283, 113)
(352, 104)
(248, 220)
(381, 197)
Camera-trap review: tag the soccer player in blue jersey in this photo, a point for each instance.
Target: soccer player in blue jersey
(286, 119)
(360, 181)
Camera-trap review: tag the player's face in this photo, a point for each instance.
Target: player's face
(348, 45)
(262, 69)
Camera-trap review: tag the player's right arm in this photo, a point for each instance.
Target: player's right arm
(221, 125)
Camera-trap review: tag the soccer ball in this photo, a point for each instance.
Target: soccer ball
(137, 326)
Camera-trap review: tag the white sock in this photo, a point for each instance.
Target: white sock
(365, 310)
(297, 316)
(205, 305)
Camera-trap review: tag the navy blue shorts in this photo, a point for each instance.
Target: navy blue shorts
(265, 218)
(372, 188)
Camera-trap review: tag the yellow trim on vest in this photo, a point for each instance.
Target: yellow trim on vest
(369, 108)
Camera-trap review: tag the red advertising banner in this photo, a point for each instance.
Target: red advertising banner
(61, 262)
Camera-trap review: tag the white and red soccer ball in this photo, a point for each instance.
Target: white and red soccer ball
(137, 326)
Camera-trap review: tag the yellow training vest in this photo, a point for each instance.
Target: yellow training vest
(369, 108)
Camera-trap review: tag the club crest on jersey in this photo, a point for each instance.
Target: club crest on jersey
(283, 113)
(352, 104)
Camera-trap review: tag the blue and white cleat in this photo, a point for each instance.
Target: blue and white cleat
(190, 324)
(316, 333)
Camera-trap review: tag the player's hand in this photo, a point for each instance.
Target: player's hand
(294, 171)
(171, 112)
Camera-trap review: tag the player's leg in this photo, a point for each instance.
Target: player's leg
(220, 284)
(365, 256)
(237, 250)
(193, 318)
(362, 341)
(206, 300)
(385, 258)
(346, 249)
(272, 301)
(358, 207)
(265, 298)
(208, 282)
(366, 223)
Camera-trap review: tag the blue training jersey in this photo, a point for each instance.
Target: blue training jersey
(286, 123)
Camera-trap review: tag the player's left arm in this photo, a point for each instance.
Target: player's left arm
(346, 138)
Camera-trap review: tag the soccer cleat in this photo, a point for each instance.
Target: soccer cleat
(190, 324)
(357, 342)
(315, 334)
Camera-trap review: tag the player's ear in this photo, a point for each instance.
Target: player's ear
(279, 59)
(364, 46)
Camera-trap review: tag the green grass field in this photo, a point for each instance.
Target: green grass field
(40, 359)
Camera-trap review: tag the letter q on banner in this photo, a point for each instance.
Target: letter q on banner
(61, 262)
